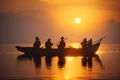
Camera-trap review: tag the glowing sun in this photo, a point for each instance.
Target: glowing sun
(77, 20)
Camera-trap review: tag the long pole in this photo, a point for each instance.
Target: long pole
(100, 39)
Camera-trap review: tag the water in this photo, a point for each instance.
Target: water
(25, 69)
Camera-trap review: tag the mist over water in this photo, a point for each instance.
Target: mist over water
(12, 68)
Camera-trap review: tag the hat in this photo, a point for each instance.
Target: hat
(37, 38)
(62, 37)
(49, 39)
(85, 39)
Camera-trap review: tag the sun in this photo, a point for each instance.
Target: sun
(77, 20)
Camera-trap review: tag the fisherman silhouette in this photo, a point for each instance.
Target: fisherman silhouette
(36, 43)
(90, 43)
(84, 47)
(48, 44)
(62, 44)
(89, 47)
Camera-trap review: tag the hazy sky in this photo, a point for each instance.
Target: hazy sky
(22, 20)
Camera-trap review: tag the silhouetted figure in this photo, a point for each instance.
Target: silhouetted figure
(36, 43)
(84, 47)
(87, 51)
(62, 44)
(89, 47)
(84, 43)
(89, 43)
(48, 44)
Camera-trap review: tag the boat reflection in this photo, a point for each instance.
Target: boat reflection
(97, 58)
(86, 62)
(48, 60)
(37, 61)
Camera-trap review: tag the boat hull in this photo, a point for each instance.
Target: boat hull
(32, 52)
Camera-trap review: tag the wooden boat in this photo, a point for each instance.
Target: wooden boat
(32, 52)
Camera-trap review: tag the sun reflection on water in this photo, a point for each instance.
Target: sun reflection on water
(71, 68)
(69, 59)
(67, 77)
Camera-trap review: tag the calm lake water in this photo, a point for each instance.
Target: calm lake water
(26, 69)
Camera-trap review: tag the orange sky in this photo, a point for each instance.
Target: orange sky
(56, 17)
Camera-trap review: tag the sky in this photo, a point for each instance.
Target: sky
(22, 20)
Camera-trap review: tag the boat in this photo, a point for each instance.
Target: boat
(33, 52)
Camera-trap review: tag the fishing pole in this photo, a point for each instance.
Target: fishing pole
(100, 39)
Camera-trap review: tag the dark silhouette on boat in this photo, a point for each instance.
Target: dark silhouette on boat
(87, 48)
(31, 52)
(88, 51)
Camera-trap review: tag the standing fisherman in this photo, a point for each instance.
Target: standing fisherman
(84, 47)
